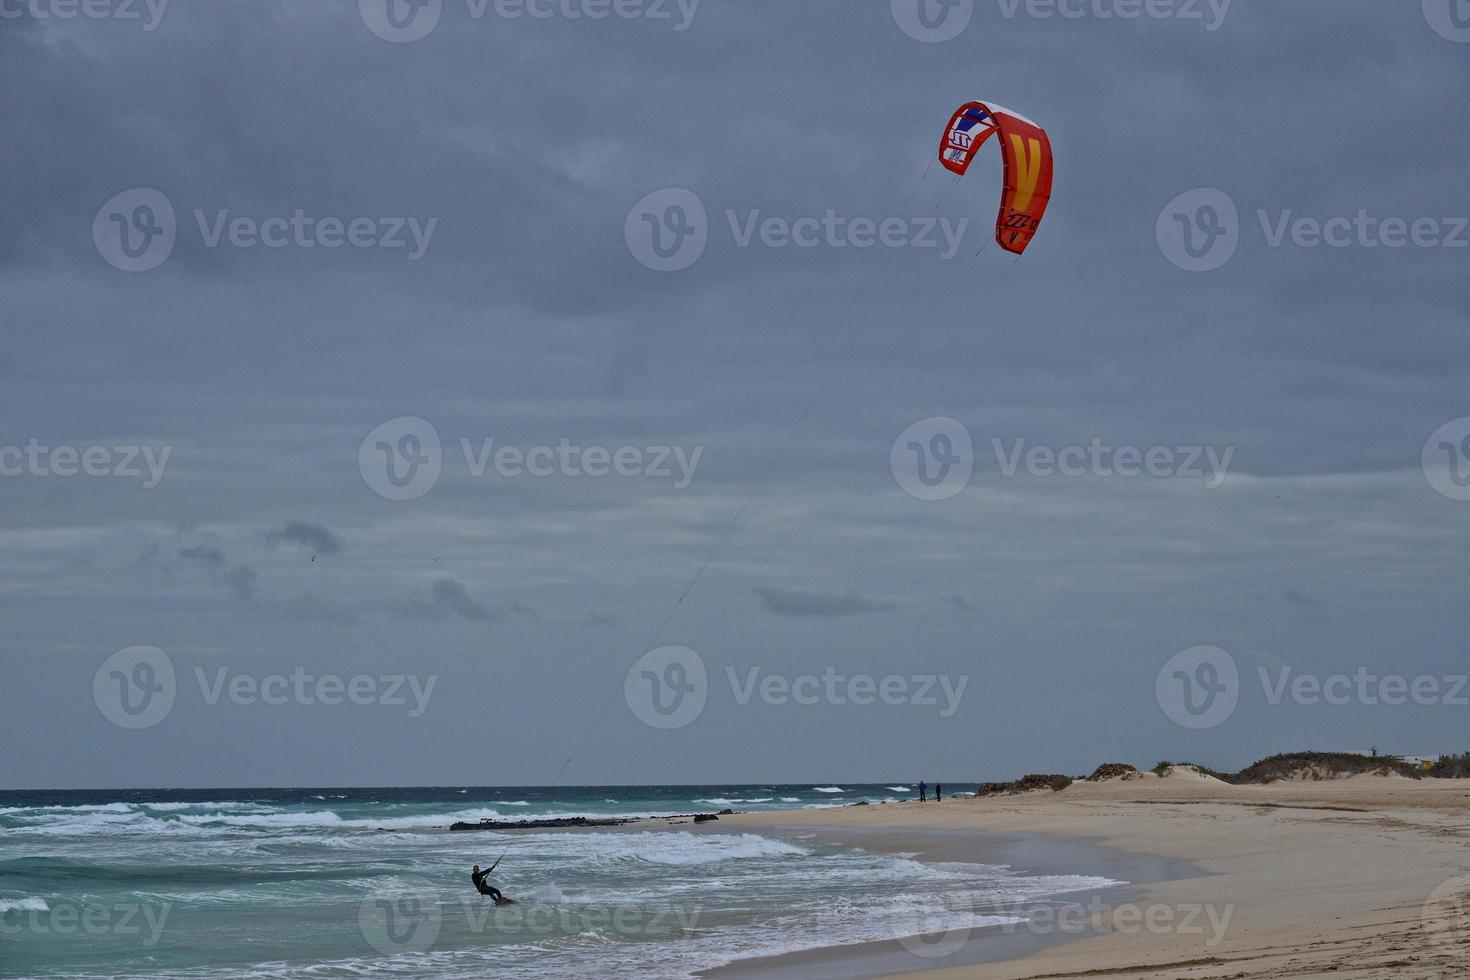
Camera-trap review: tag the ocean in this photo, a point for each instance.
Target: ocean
(325, 883)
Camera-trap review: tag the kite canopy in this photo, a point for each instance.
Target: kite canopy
(1026, 151)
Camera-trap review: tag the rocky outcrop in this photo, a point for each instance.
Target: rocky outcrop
(1026, 784)
(488, 824)
(554, 823)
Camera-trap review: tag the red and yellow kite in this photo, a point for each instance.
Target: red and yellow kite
(1027, 154)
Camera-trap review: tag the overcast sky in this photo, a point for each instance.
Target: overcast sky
(489, 269)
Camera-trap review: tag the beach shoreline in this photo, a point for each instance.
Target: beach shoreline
(1341, 878)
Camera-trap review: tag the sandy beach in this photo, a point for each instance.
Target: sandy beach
(1363, 877)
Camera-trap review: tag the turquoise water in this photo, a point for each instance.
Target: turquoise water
(369, 882)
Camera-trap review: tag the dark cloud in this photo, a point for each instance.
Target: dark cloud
(206, 555)
(528, 321)
(446, 597)
(314, 537)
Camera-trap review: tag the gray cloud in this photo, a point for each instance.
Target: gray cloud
(797, 602)
(314, 537)
(528, 321)
(243, 581)
(447, 596)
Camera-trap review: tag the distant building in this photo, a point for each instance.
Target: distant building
(1425, 762)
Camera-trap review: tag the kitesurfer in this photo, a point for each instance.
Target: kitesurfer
(484, 887)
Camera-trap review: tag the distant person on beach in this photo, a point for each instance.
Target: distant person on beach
(484, 887)
(938, 793)
(923, 791)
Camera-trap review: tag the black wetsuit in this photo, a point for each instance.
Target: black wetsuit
(484, 888)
